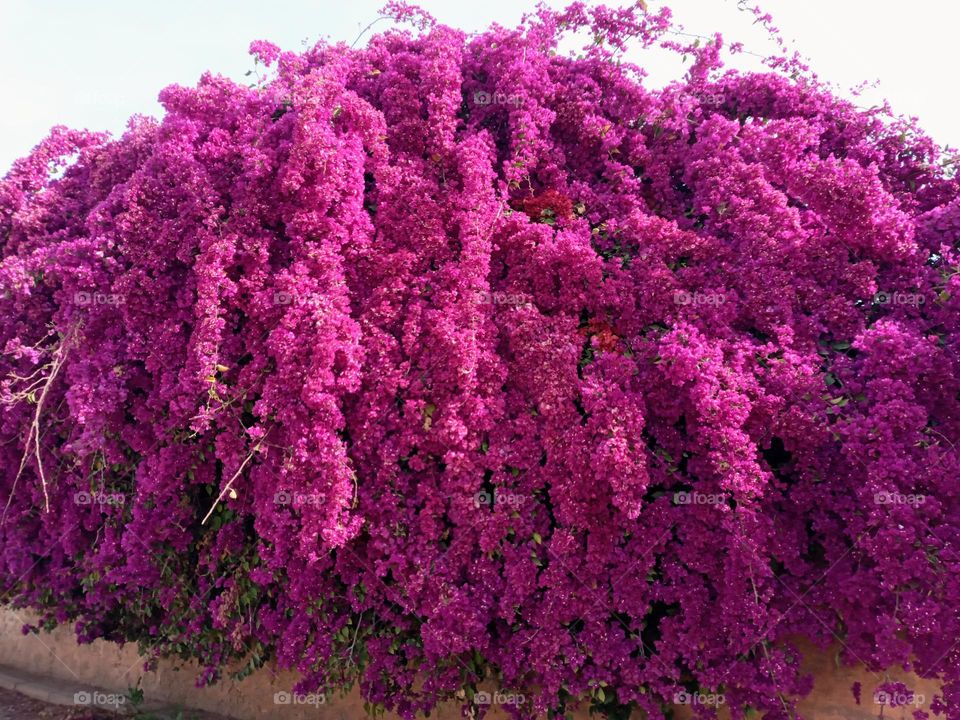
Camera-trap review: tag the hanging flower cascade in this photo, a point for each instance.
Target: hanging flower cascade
(457, 362)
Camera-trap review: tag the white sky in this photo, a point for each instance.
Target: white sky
(93, 63)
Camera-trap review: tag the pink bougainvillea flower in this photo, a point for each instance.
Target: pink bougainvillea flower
(457, 359)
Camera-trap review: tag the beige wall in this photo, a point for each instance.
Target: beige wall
(114, 668)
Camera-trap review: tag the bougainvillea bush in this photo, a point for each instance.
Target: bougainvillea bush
(459, 361)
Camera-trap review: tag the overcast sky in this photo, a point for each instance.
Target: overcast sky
(93, 63)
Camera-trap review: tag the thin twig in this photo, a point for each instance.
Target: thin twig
(364, 31)
(33, 433)
(226, 488)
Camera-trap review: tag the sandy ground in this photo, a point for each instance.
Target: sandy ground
(14, 706)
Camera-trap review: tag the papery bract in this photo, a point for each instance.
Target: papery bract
(455, 358)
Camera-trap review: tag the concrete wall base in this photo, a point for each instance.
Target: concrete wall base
(103, 665)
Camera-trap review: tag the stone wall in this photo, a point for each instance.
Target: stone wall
(116, 668)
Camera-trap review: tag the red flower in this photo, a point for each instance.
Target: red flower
(604, 337)
(545, 207)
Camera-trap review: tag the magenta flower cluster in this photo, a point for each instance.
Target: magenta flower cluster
(458, 364)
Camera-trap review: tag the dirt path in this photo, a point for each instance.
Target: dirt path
(14, 706)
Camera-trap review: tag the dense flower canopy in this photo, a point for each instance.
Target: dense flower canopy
(458, 359)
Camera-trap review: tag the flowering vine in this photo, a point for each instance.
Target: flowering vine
(455, 360)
